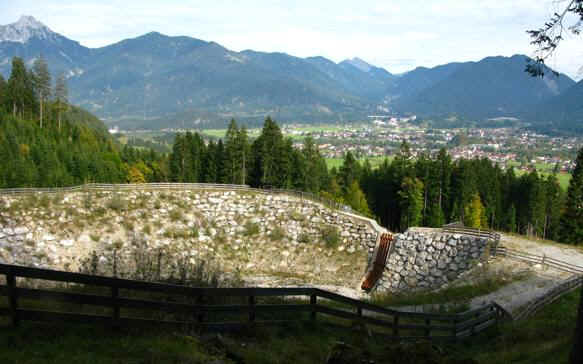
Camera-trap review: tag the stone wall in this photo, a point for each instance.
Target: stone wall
(235, 229)
(423, 259)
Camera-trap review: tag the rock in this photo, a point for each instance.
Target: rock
(67, 243)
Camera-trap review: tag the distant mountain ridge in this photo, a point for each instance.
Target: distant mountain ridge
(158, 81)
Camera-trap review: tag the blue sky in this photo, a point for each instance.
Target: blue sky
(397, 35)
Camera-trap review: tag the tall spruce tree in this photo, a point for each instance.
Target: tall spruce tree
(61, 96)
(42, 84)
(3, 93)
(20, 89)
(572, 218)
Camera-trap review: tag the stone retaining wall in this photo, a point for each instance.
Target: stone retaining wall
(64, 231)
(429, 258)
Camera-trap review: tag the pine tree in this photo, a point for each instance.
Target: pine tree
(242, 155)
(42, 83)
(572, 218)
(411, 201)
(20, 89)
(3, 93)
(61, 96)
(356, 199)
(231, 151)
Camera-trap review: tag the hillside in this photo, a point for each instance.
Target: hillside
(561, 114)
(492, 87)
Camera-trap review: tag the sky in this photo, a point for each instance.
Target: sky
(397, 35)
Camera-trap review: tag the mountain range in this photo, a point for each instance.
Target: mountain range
(158, 81)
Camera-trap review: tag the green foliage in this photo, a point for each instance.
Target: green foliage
(356, 199)
(572, 219)
(117, 203)
(474, 213)
(251, 228)
(277, 234)
(330, 236)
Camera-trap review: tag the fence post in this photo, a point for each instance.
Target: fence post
(313, 302)
(13, 297)
(200, 315)
(115, 314)
(428, 327)
(252, 308)
(454, 329)
(396, 325)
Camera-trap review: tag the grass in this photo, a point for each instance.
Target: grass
(543, 338)
(35, 343)
(330, 236)
(375, 162)
(457, 295)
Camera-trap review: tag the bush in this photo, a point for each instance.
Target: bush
(116, 203)
(304, 238)
(277, 234)
(251, 228)
(176, 215)
(297, 216)
(330, 236)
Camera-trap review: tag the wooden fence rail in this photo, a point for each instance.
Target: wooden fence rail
(539, 259)
(552, 295)
(214, 308)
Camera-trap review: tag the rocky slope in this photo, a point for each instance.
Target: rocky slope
(266, 239)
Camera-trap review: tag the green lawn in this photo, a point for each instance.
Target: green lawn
(374, 161)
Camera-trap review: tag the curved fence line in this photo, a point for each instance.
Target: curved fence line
(556, 292)
(221, 308)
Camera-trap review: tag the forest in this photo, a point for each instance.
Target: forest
(45, 142)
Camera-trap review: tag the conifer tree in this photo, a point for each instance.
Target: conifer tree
(61, 96)
(20, 89)
(411, 201)
(3, 93)
(42, 84)
(572, 218)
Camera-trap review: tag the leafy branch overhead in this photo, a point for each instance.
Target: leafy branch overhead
(548, 37)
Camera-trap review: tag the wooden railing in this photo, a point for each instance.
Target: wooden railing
(215, 308)
(539, 259)
(483, 233)
(563, 288)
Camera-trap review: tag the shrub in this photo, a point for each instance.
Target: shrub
(304, 238)
(176, 215)
(116, 203)
(251, 228)
(330, 236)
(277, 234)
(44, 201)
(297, 216)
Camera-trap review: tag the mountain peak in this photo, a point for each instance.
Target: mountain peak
(27, 21)
(359, 63)
(25, 28)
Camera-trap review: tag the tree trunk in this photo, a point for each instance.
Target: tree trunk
(41, 112)
(577, 350)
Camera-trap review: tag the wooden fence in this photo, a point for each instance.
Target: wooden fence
(549, 297)
(538, 259)
(215, 308)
